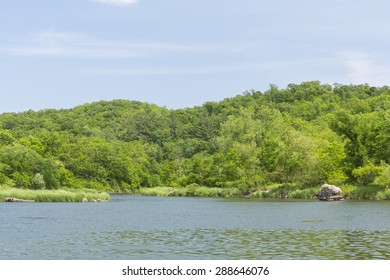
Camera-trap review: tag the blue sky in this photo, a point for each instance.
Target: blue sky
(59, 54)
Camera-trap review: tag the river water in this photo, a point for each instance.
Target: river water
(136, 227)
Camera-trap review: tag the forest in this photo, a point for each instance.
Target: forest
(275, 143)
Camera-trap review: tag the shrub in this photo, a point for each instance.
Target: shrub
(384, 195)
(384, 177)
(38, 182)
(366, 175)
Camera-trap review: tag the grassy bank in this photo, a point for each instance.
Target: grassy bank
(370, 192)
(53, 195)
(285, 192)
(199, 191)
(272, 191)
(190, 191)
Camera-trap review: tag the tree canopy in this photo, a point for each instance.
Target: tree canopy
(306, 134)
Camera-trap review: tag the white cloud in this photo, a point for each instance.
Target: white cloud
(171, 70)
(67, 44)
(365, 68)
(118, 2)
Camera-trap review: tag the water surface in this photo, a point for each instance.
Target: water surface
(136, 227)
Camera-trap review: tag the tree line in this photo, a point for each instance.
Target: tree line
(305, 135)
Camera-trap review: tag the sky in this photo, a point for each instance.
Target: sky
(178, 54)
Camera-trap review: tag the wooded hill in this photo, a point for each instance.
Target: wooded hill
(304, 135)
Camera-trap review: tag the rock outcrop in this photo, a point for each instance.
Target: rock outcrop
(330, 192)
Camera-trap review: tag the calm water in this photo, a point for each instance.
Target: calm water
(134, 227)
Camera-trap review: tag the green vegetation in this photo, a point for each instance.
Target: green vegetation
(277, 143)
(190, 191)
(53, 195)
(366, 192)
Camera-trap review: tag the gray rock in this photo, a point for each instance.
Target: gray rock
(328, 191)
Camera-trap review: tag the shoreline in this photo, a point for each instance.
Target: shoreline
(282, 193)
(273, 192)
(60, 195)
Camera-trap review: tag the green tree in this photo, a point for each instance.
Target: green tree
(6, 137)
(37, 182)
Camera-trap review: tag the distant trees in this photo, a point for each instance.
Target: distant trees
(21, 164)
(303, 135)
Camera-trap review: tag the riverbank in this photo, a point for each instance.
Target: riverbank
(273, 191)
(53, 195)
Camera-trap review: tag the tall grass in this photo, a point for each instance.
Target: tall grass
(273, 191)
(53, 195)
(190, 191)
(285, 191)
(369, 192)
(304, 193)
(157, 191)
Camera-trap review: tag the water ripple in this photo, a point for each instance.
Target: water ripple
(226, 244)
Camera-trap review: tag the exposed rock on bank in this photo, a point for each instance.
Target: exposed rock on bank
(329, 193)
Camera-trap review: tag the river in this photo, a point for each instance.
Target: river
(136, 227)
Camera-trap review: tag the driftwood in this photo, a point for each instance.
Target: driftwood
(11, 199)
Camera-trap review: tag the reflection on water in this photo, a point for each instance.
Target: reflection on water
(216, 244)
(171, 228)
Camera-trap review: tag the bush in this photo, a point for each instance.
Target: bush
(38, 182)
(366, 175)
(384, 177)
(384, 195)
(367, 192)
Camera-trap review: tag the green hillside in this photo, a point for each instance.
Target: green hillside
(291, 139)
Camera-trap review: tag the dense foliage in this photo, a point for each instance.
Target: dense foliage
(304, 135)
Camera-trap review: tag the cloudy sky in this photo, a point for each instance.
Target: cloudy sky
(175, 53)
